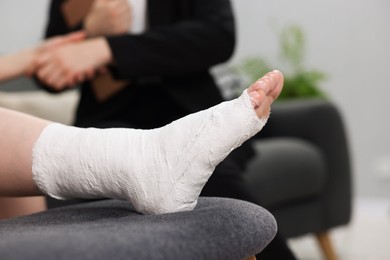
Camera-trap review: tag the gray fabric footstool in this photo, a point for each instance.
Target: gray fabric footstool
(218, 228)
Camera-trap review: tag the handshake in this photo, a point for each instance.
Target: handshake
(64, 61)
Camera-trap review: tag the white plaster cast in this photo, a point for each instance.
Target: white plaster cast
(159, 171)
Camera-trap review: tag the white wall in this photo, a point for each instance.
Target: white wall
(349, 40)
(22, 23)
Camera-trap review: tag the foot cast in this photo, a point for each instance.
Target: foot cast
(159, 171)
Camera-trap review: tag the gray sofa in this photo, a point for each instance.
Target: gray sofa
(302, 174)
(218, 228)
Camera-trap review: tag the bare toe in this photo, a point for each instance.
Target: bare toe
(275, 92)
(257, 97)
(264, 91)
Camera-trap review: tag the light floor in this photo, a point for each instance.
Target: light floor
(367, 237)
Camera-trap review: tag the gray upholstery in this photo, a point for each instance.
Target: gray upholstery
(302, 174)
(110, 229)
(290, 170)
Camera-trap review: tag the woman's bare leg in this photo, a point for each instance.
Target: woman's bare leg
(11, 207)
(18, 134)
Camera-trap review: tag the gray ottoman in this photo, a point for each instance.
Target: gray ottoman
(218, 228)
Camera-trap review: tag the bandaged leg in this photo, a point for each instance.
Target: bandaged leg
(159, 171)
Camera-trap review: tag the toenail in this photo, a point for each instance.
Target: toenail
(254, 96)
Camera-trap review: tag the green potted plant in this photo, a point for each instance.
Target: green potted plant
(299, 81)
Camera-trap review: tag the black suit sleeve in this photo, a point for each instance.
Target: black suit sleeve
(57, 25)
(204, 38)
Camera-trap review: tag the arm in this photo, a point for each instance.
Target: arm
(15, 65)
(203, 38)
(101, 17)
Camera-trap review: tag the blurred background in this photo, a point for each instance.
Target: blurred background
(348, 41)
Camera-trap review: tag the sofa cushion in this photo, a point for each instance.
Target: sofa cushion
(110, 229)
(285, 170)
(58, 108)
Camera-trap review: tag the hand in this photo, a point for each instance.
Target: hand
(51, 44)
(61, 40)
(108, 17)
(64, 66)
(21, 63)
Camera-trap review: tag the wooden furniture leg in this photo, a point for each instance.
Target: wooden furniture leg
(326, 246)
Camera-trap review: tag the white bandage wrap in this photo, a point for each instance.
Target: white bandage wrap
(159, 171)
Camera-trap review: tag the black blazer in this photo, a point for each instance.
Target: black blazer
(168, 65)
